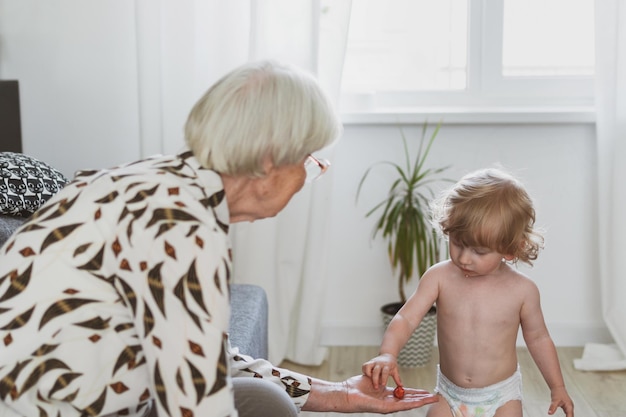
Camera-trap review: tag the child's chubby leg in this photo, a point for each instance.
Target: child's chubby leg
(511, 408)
(439, 409)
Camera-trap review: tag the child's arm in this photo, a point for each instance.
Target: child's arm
(404, 323)
(543, 351)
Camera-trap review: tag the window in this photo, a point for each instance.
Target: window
(412, 53)
(559, 44)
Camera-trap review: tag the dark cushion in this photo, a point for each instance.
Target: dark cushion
(26, 183)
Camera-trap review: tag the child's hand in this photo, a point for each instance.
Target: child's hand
(560, 398)
(381, 368)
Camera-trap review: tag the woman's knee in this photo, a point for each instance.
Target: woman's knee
(258, 397)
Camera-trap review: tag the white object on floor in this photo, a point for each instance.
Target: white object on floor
(601, 357)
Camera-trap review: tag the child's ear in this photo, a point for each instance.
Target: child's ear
(509, 258)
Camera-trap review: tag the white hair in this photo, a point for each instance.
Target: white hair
(259, 110)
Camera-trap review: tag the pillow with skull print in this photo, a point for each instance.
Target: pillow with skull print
(26, 183)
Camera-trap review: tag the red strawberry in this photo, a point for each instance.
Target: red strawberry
(399, 392)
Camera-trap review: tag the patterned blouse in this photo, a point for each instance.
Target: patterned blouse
(114, 297)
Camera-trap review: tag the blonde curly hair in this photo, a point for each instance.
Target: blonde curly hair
(490, 208)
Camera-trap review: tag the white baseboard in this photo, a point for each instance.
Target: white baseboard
(568, 334)
(563, 334)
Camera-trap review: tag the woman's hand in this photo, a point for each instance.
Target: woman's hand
(358, 395)
(366, 398)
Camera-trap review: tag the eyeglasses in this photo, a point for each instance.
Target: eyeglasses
(315, 168)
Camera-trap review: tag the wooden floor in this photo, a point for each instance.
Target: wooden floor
(595, 394)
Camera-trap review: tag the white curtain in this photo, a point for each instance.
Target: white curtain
(287, 255)
(182, 48)
(147, 62)
(611, 136)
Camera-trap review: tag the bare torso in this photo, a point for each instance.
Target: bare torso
(478, 320)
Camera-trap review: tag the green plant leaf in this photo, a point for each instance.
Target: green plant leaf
(404, 216)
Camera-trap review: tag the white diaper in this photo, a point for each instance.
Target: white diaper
(479, 402)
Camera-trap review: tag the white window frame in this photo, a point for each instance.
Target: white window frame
(489, 96)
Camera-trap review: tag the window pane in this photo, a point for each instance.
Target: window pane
(403, 45)
(548, 38)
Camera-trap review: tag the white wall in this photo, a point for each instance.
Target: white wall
(556, 162)
(104, 82)
(80, 110)
(77, 79)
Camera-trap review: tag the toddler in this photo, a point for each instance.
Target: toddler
(482, 300)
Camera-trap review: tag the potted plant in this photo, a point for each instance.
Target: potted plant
(412, 241)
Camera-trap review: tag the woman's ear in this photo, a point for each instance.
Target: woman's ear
(265, 183)
(268, 165)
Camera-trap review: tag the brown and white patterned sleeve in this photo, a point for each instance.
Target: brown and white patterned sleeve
(297, 385)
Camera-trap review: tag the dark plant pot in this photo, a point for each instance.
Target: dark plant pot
(419, 348)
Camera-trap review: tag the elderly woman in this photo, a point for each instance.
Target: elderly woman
(114, 296)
